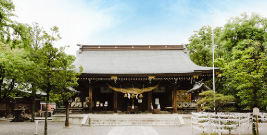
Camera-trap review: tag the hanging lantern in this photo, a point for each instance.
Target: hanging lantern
(125, 95)
(133, 95)
(141, 96)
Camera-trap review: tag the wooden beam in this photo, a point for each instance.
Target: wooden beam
(175, 98)
(149, 101)
(90, 98)
(115, 103)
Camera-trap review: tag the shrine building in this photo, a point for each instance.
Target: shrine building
(138, 78)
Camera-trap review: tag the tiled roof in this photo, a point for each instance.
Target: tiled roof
(136, 62)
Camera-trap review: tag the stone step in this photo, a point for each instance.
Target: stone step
(132, 120)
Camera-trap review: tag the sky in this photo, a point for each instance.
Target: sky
(130, 22)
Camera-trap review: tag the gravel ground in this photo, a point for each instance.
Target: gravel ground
(57, 128)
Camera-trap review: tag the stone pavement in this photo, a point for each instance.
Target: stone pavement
(57, 128)
(133, 130)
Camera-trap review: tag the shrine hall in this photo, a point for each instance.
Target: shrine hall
(138, 78)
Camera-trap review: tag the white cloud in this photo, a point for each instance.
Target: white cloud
(94, 22)
(76, 21)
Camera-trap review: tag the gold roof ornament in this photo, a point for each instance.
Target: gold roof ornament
(114, 78)
(195, 76)
(133, 90)
(141, 95)
(133, 95)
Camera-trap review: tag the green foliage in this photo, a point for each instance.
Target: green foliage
(241, 54)
(28, 58)
(220, 100)
(13, 63)
(12, 33)
(55, 70)
(245, 69)
(6, 9)
(14, 39)
(200, 46)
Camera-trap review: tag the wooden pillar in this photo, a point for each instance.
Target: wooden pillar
(175, 99)
(90, 98)
(149, 101)
(115, 103)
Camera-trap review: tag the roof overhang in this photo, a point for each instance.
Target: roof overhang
(137, 61)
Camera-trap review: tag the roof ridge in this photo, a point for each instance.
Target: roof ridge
(129, 47)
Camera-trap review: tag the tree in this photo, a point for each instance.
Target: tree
(200, 46)
(6, 9)
(56, 70)
(244, 41)
(241, 55)
(14, 39)
(32, 76)
(220, 101)
(13, 63)
(27, 56)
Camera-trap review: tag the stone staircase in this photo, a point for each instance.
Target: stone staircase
(132, 120)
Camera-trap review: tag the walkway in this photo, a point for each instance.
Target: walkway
(57, 128)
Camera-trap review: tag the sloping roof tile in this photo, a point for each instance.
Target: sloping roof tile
(136, 62)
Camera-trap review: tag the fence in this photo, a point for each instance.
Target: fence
(223, 122)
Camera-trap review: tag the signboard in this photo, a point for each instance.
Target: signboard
(256, 111)
(156, 101)
(189, 97)
(183, 96)
(51, 106)
(140, 101)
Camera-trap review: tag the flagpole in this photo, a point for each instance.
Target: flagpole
(213, 60)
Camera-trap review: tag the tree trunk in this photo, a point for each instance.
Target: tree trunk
(7, 107)
(1, 82)
(33, 104)
(7, 99)
(67, 123)
(255, 97)
(46, 109)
